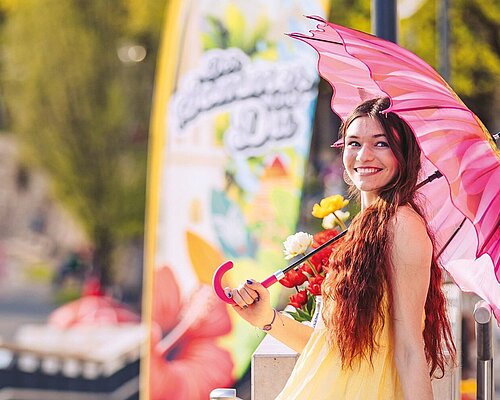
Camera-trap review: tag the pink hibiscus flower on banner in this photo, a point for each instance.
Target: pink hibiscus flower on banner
(186, 361)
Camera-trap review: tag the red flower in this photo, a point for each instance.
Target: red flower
(314, 286)
(184, 339)
(323, 237)
(321, 259)
(298, 299)
(293, 278)
(306, 267)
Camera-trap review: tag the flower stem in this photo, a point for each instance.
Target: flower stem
(312, 267)
(341, 223)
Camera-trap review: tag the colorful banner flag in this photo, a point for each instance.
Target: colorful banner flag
(231, 130)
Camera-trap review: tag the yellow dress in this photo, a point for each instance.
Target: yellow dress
(318, 374)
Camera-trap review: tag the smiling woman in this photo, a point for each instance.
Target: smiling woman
(384, 329)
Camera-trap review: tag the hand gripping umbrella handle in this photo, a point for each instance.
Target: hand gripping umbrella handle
(278, 275)
(219, 273)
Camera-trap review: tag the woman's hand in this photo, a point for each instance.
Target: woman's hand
(252, 303)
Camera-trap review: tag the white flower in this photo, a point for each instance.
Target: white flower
(297, 244)
(329, 222)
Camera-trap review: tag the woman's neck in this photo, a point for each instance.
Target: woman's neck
(367, 198)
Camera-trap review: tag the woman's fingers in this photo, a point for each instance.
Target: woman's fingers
(243, 296)
(258, 289)
(251, 302)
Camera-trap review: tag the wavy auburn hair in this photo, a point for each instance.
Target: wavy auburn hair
(359, 281)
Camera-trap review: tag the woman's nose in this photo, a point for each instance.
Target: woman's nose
(364, 153)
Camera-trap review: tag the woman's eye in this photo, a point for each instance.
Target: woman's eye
(353, 143)
(382, 144)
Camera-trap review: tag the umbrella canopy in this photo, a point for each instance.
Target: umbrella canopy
(462, 207)
(92, 310)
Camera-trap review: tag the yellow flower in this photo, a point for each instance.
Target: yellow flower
(329, 205)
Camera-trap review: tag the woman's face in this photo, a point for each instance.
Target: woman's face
(368, 159)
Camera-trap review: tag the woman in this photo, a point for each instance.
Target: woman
(384, 327)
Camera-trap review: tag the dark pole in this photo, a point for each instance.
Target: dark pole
(443, 28)
(385, 19)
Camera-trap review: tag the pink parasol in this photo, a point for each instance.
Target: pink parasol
(462, 207)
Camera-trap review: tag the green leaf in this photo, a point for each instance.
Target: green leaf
(298, 317)
(311, 304)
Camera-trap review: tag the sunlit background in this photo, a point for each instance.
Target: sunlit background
(77, 83)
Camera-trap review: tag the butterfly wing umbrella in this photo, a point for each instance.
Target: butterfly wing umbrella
(463, 206)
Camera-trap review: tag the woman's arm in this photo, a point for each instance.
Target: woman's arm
(254, 306)
(411, 259)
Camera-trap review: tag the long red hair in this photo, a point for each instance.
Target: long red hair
(360, 266)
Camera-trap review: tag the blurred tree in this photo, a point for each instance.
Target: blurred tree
(474, 48)
(352, 13)
(81, 111)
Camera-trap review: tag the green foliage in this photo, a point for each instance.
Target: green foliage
(474, 51)
(476, 47)
(145, 17)
(352, 13)
(81, 113)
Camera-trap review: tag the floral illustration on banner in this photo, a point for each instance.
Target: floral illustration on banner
(184, 341)
(309, 276)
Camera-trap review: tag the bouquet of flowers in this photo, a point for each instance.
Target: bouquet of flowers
(308, 277)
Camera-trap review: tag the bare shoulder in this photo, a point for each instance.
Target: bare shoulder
(411, 242)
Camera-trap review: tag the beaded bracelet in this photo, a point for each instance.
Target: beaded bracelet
(269, 326)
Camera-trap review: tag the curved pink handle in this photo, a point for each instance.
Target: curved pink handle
(217, 282)
(219, 273)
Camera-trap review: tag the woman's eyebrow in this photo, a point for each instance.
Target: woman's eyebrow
(377, 135)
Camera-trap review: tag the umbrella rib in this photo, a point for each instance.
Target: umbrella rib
(428, 107)
(451, 238)
(300, 36)
(430, 178)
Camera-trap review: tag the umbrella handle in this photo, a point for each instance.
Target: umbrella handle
(219, 273)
